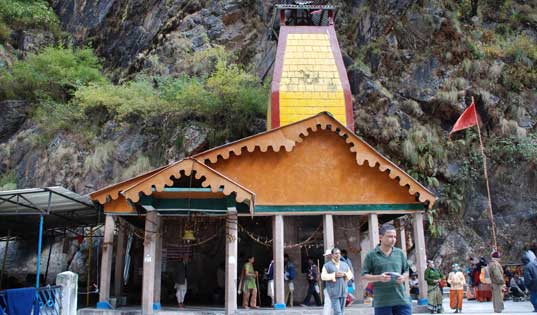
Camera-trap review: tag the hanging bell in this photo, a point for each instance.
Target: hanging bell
(189, 236)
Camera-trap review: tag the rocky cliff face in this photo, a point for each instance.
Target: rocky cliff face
(160, 35)
(413, 67)
(58, 255)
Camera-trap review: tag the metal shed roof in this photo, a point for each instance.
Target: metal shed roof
(62, 208)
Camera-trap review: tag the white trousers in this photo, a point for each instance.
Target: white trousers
(180, 292)
(270, 288)
(327, 308)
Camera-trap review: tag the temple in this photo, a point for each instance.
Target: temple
(307, 184)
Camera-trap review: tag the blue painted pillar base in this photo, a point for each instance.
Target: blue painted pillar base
(423, 301)
(104, 305)
(156, 306)
(279, 306)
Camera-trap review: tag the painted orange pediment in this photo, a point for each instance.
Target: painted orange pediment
(323, 163)
(319, 171)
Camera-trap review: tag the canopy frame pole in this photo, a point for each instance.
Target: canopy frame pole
(6, 200)
(40, 241)
(18, 203)
(39, 244)
(67, 197)
(4, 258)
(88, 280)
(48, 259)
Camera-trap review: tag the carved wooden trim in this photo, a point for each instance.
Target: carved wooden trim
(288, 136)
(213, 180)
(111, 192)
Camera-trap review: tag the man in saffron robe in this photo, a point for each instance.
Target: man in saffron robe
(456, 281)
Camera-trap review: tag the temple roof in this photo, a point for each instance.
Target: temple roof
(286, 138)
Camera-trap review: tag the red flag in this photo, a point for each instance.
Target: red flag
(79, 238)
(467, 119)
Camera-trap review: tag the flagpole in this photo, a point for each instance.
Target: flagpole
(491, 215)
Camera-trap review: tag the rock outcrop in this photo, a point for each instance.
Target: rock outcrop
(413, 67)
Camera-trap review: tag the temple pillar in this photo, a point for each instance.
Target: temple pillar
(232, 241)
(278, 252)
(401, 243)
(120, 257)
(328, 231)
(421, 258)
(158, 266)
(150, 300)
(106, 262)
(359, 284)
(374, 238)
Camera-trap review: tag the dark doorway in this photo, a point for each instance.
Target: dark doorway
(255, 238)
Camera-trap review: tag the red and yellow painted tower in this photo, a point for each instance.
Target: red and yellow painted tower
(309, 74)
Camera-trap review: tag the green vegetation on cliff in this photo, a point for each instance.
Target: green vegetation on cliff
(227, 89)
(55, 73)
(69, 89)
(24, 14)
(8, 181)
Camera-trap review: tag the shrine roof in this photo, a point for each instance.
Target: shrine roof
(287, 137)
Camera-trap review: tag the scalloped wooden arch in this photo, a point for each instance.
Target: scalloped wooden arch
(162, 178)
(109, 193)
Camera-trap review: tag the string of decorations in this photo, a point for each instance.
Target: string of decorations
(265, 241)
(307, 241)
(137, 232)
(198, 243)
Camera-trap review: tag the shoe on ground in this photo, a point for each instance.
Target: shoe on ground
(303, 305)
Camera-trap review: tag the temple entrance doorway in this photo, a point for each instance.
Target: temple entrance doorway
(197, 244)
(255, 239)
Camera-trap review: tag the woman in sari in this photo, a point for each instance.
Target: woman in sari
(434, 292)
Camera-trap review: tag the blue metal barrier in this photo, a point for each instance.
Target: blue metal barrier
(49, 299)
(3, 303)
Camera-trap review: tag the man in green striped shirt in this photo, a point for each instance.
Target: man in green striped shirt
(386, 266)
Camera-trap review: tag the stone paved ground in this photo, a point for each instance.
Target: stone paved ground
(474, 307)
(469, 307)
